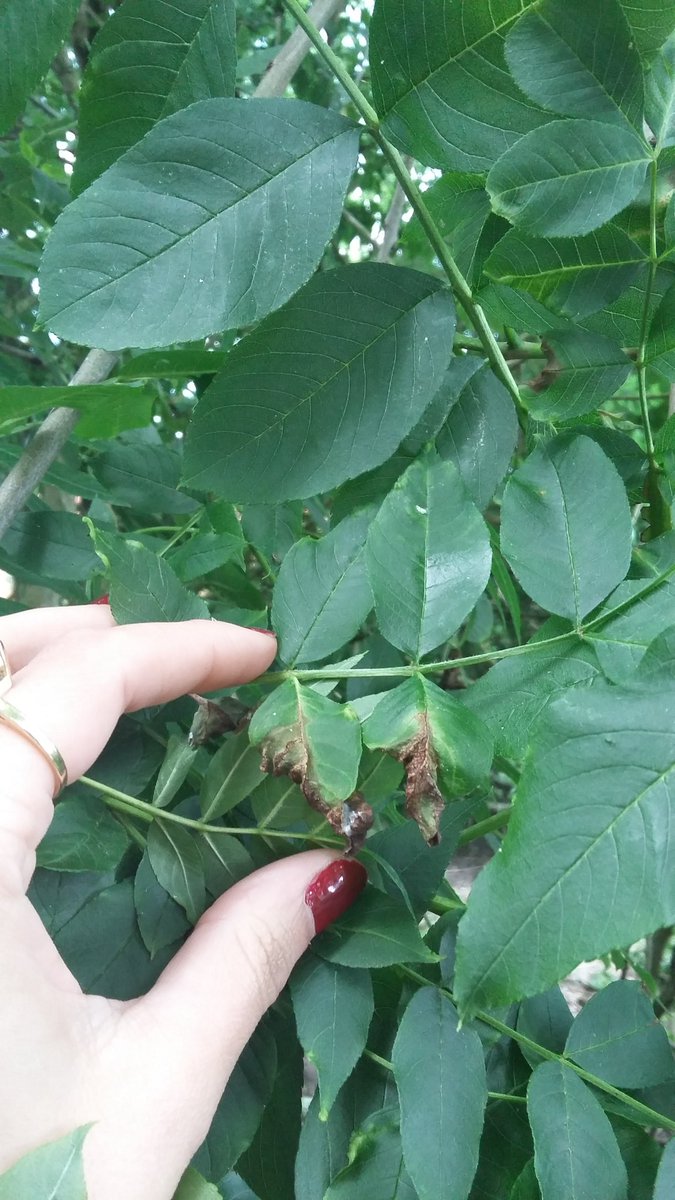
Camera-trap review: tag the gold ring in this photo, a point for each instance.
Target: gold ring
(5, 673)
(16, 720)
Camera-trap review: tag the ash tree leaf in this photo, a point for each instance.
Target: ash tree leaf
(150, 60)
(479, 435)
(575, 1152)
(665, 1179)
(462, 367)
(323, 1145)
(233, 773)
(513, 694)
(549, 535)
(545, 1019)
(193, 1186)
(377, 931)
(460, 206)
(142, 586)
(651, 22)
(51, 544)
(443, 92)
(83, 836)
(172, 364)
(107, 409)
(660, 349)
(584, 866)
(161, 921)
(445, 748)
(268, 1164)
(318, 744)
(578, 61)
(211, 221)
(573, 276)
(325, 389)
(180, 757)
(620, 643)
(568, 177)
(526, 1186)
(428, 556)
(584, 370)
(32, 33)
(333, 1008)
(376, 1168)
(505, 305)
(440, 1076)
(175, 859)
(204, 553)
(660, 95)
(617, 1037)
(273, 528)
(52, 1172)
(322, 595)
(225, 861)
(143, 476)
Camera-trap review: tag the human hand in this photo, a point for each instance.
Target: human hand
(148, 1072)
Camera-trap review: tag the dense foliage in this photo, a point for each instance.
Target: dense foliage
(387, 360)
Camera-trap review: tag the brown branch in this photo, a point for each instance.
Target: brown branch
(282, 69)
(392, 221)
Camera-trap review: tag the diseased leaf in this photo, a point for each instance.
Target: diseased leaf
(585, 845)
(318, 744)
(445, 749)
(578, 61)
(322, 595)
(442, 91)
(440, 1076)
(146, 256)
(376, 1168)
(325, 389)
(583, 370)
(546, 504)
(568, 177)
(575, 1151)
(32, 33)
(150, 60)
(333, 1008)
(617, 1037)
(428, 556)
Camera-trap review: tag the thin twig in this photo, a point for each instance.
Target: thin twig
(48, 442)
(280, 72)
(392, 221)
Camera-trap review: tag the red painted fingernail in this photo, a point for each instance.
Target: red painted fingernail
(101, 600)
(257, 629)
(334, 890)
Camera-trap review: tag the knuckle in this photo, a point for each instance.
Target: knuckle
(266, 954)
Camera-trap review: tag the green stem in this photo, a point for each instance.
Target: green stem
(389, 1066)
(179, 533)
(131, 805)
(461, 288)
(644, 327)
(496, 821)
(650, 1115)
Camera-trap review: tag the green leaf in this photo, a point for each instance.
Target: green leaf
(416, 870)
(108, 409)
(460, 207)
(578, 61)
(175, 859)
(241, 1106)
(651, 22)
(142, 586)
(322, 595)
(545, 505)
(172, 364)
(428, 556)
(148, 61)
(52, 1172)
(621, 641)
(584, 370)
(225, 861)
(324, 389)
(462, 368)
(333, 1008)
(506, 1146)
(143, 476)
(568, 177)
(665, 1180)
(585, 846)
(526, 1186)
(273, 529)
(660, 95)
(442, 91)
(377, 931)
(32, 33)
(161, 921)
(376, 1168)
(573, 276)
(178, 760)
(617, 1037)
(641, 1155)
(575, 1151)
(505, 305)
(233, 773)
(660, 348)
(204, 553)
(440, 1076)
(545, 1019)
(268, 1164)
(514, 693)
(323, 1146)
(162, 223)
(193, 1186)
(479, 435)
(54, 545)
(83, 836)
(439, 741)
(310, 737)
(622, 320)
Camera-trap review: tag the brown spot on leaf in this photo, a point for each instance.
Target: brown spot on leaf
(424, 802)
(211, 719)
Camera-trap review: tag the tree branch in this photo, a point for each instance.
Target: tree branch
(392, 221)
(279, 74)
(48, 441)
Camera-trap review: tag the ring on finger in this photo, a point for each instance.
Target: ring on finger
(5, 673)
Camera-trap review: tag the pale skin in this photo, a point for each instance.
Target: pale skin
(149, 1072)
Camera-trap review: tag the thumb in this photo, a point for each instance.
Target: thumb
(213, 993)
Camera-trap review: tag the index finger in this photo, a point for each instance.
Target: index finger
(75, 690)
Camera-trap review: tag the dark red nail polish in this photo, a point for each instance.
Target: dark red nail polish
(101, 600)
(334, 890)
(269, 632)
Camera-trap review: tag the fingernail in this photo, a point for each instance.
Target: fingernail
(334, 890)
(269, 632)
(101, 600)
